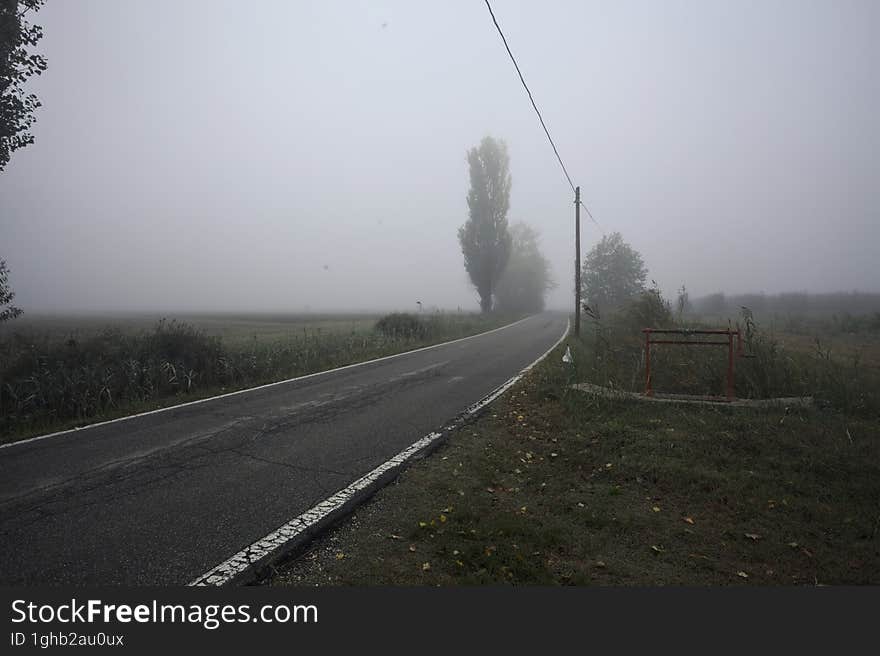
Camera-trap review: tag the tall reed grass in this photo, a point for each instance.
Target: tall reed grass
(47, 382)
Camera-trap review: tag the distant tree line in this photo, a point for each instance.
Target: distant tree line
(614, 275)
(789, 303)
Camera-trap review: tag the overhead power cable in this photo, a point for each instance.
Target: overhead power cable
(590, 214)
(526, 87)
(538, 112)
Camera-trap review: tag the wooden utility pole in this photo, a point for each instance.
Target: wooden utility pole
(577, 262)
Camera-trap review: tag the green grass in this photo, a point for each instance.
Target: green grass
(841, 370)
(551, 486)
(57, 374)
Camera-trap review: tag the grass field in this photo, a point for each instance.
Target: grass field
(61, 372)
(231, 328)
(551, 486)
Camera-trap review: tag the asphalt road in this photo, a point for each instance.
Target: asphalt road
(161, 498)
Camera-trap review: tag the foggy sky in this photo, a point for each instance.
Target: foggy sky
(290, 155)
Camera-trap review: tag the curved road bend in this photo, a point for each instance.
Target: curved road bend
(162, 498)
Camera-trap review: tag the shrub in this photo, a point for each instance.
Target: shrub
(401, 326)
(647, 310)
(48, 381)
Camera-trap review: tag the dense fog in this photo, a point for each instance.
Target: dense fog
(292, 156)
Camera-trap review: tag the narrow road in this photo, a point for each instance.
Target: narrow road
(161, 498)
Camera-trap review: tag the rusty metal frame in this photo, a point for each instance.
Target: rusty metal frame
(729, 333)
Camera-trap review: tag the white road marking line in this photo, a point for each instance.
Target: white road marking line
(80, 429)
(231, 567)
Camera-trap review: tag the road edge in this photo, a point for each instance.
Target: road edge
(80, 429)
(248, 563)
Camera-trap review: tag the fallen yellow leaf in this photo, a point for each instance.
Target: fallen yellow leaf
(689, 520)
(426, 567)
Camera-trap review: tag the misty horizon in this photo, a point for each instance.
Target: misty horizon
(308, 157)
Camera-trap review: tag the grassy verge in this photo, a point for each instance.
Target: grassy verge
(56, 379)
(551, 486)
(839, 371)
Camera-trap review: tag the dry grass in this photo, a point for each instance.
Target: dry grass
(552, 487)
(72, 374)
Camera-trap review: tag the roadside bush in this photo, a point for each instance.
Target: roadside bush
(401, 326)
(647, 310)
(49, 381)
(46, 380)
